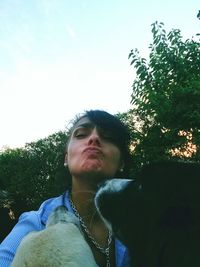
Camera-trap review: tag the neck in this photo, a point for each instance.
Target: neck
(82, 195)
(96, 231)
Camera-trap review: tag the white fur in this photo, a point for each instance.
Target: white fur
(112, 185)
(61, 244)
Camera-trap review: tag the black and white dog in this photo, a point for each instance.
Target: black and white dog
(157, 215)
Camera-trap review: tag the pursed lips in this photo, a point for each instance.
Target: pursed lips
(92, 149)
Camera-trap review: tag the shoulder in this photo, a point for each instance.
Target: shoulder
(36, 220)
(49, 205)
(28, 222)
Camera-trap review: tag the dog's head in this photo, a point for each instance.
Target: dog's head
(157, 217)
(115, 201)
(62, 215)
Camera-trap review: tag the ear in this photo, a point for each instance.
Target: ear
(66, 160)
(121, 166)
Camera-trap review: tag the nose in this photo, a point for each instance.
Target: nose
(94, 138)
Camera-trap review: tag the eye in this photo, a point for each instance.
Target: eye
(107, 135)
(80, 133)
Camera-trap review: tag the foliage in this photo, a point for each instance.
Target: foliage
(35, 172)
(166, 96)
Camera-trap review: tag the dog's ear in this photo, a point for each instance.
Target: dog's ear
(167, 173)
(170, 183)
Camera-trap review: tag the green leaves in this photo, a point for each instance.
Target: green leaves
(166, 91)
(35, 172)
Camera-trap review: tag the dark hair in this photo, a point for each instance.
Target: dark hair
(118, 132)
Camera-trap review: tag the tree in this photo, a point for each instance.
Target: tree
(35, 172)
(166, 97)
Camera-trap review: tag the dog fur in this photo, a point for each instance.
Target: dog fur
(60, 244)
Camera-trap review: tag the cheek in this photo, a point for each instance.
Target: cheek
(115, 159)
(72, 152)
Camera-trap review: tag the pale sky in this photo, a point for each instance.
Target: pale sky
(61, 57)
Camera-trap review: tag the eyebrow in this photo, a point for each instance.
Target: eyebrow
(84, 125)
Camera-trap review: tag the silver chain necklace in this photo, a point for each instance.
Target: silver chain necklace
(105, 251)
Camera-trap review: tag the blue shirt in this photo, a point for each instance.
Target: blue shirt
(36, 221)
